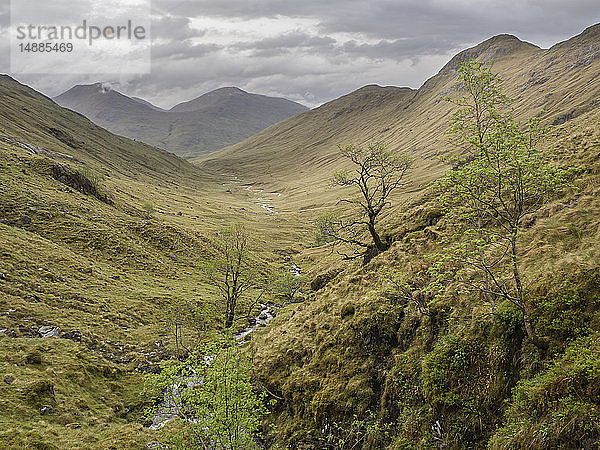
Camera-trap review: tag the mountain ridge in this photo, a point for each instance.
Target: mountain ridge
(541, 80)
(209, 122)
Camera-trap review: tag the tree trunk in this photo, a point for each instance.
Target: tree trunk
(229, 312)
(379, 244)
(517, 277)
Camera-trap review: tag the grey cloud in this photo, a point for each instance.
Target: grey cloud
(174, 28)
(287, 43)
(174, 50)
(400, 42)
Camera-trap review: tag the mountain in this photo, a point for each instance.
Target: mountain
(212, 121)
(147, 103)
(560, 81)
(235, 99)
(355, 355)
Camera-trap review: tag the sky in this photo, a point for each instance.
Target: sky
(310, 51)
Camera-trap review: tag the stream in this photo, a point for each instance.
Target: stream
(168, 410)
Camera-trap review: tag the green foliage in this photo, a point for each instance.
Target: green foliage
(365, 432)
(445, 371)
(561, 407)
(478, 109)
(187, 322)
(231, 271)
(325, 229)
(212, 394)
(289, 285)
(501, 180)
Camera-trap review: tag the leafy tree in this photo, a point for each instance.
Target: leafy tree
(212, 397)
(499, 181)
(231, 270)
(377, 173)
(289, 285)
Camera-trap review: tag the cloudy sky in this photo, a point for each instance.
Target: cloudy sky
(310, 51)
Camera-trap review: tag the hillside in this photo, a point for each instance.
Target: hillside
(298, 155)
(212, 121)
(353, 357)
(101, 237)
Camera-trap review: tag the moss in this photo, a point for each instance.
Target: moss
(39, 393)
(559, 408)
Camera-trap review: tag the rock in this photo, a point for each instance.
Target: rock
(9, 378)
(173, 256)
(49, 331)
(25, 220)
(116, 277)
(74, 335)
(2, 276)
(8, 333)
(28, 332)
(46, 410)
(148, 368)
(73, 425)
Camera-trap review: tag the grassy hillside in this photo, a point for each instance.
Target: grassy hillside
(100, 236)
(463, 376)
(298, 155)
(212, 121)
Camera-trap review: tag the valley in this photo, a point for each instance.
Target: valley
(106, 242)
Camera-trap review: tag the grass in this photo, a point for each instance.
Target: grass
(110, 272)
(107, 270)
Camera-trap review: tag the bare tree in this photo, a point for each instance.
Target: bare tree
(231, 270)
(377, 173)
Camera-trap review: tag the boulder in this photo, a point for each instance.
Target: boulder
(49, 331)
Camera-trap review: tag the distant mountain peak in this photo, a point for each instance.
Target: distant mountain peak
(490, 49)
(224, 96)
(228, 90)
(100, 86)
(214, 120)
